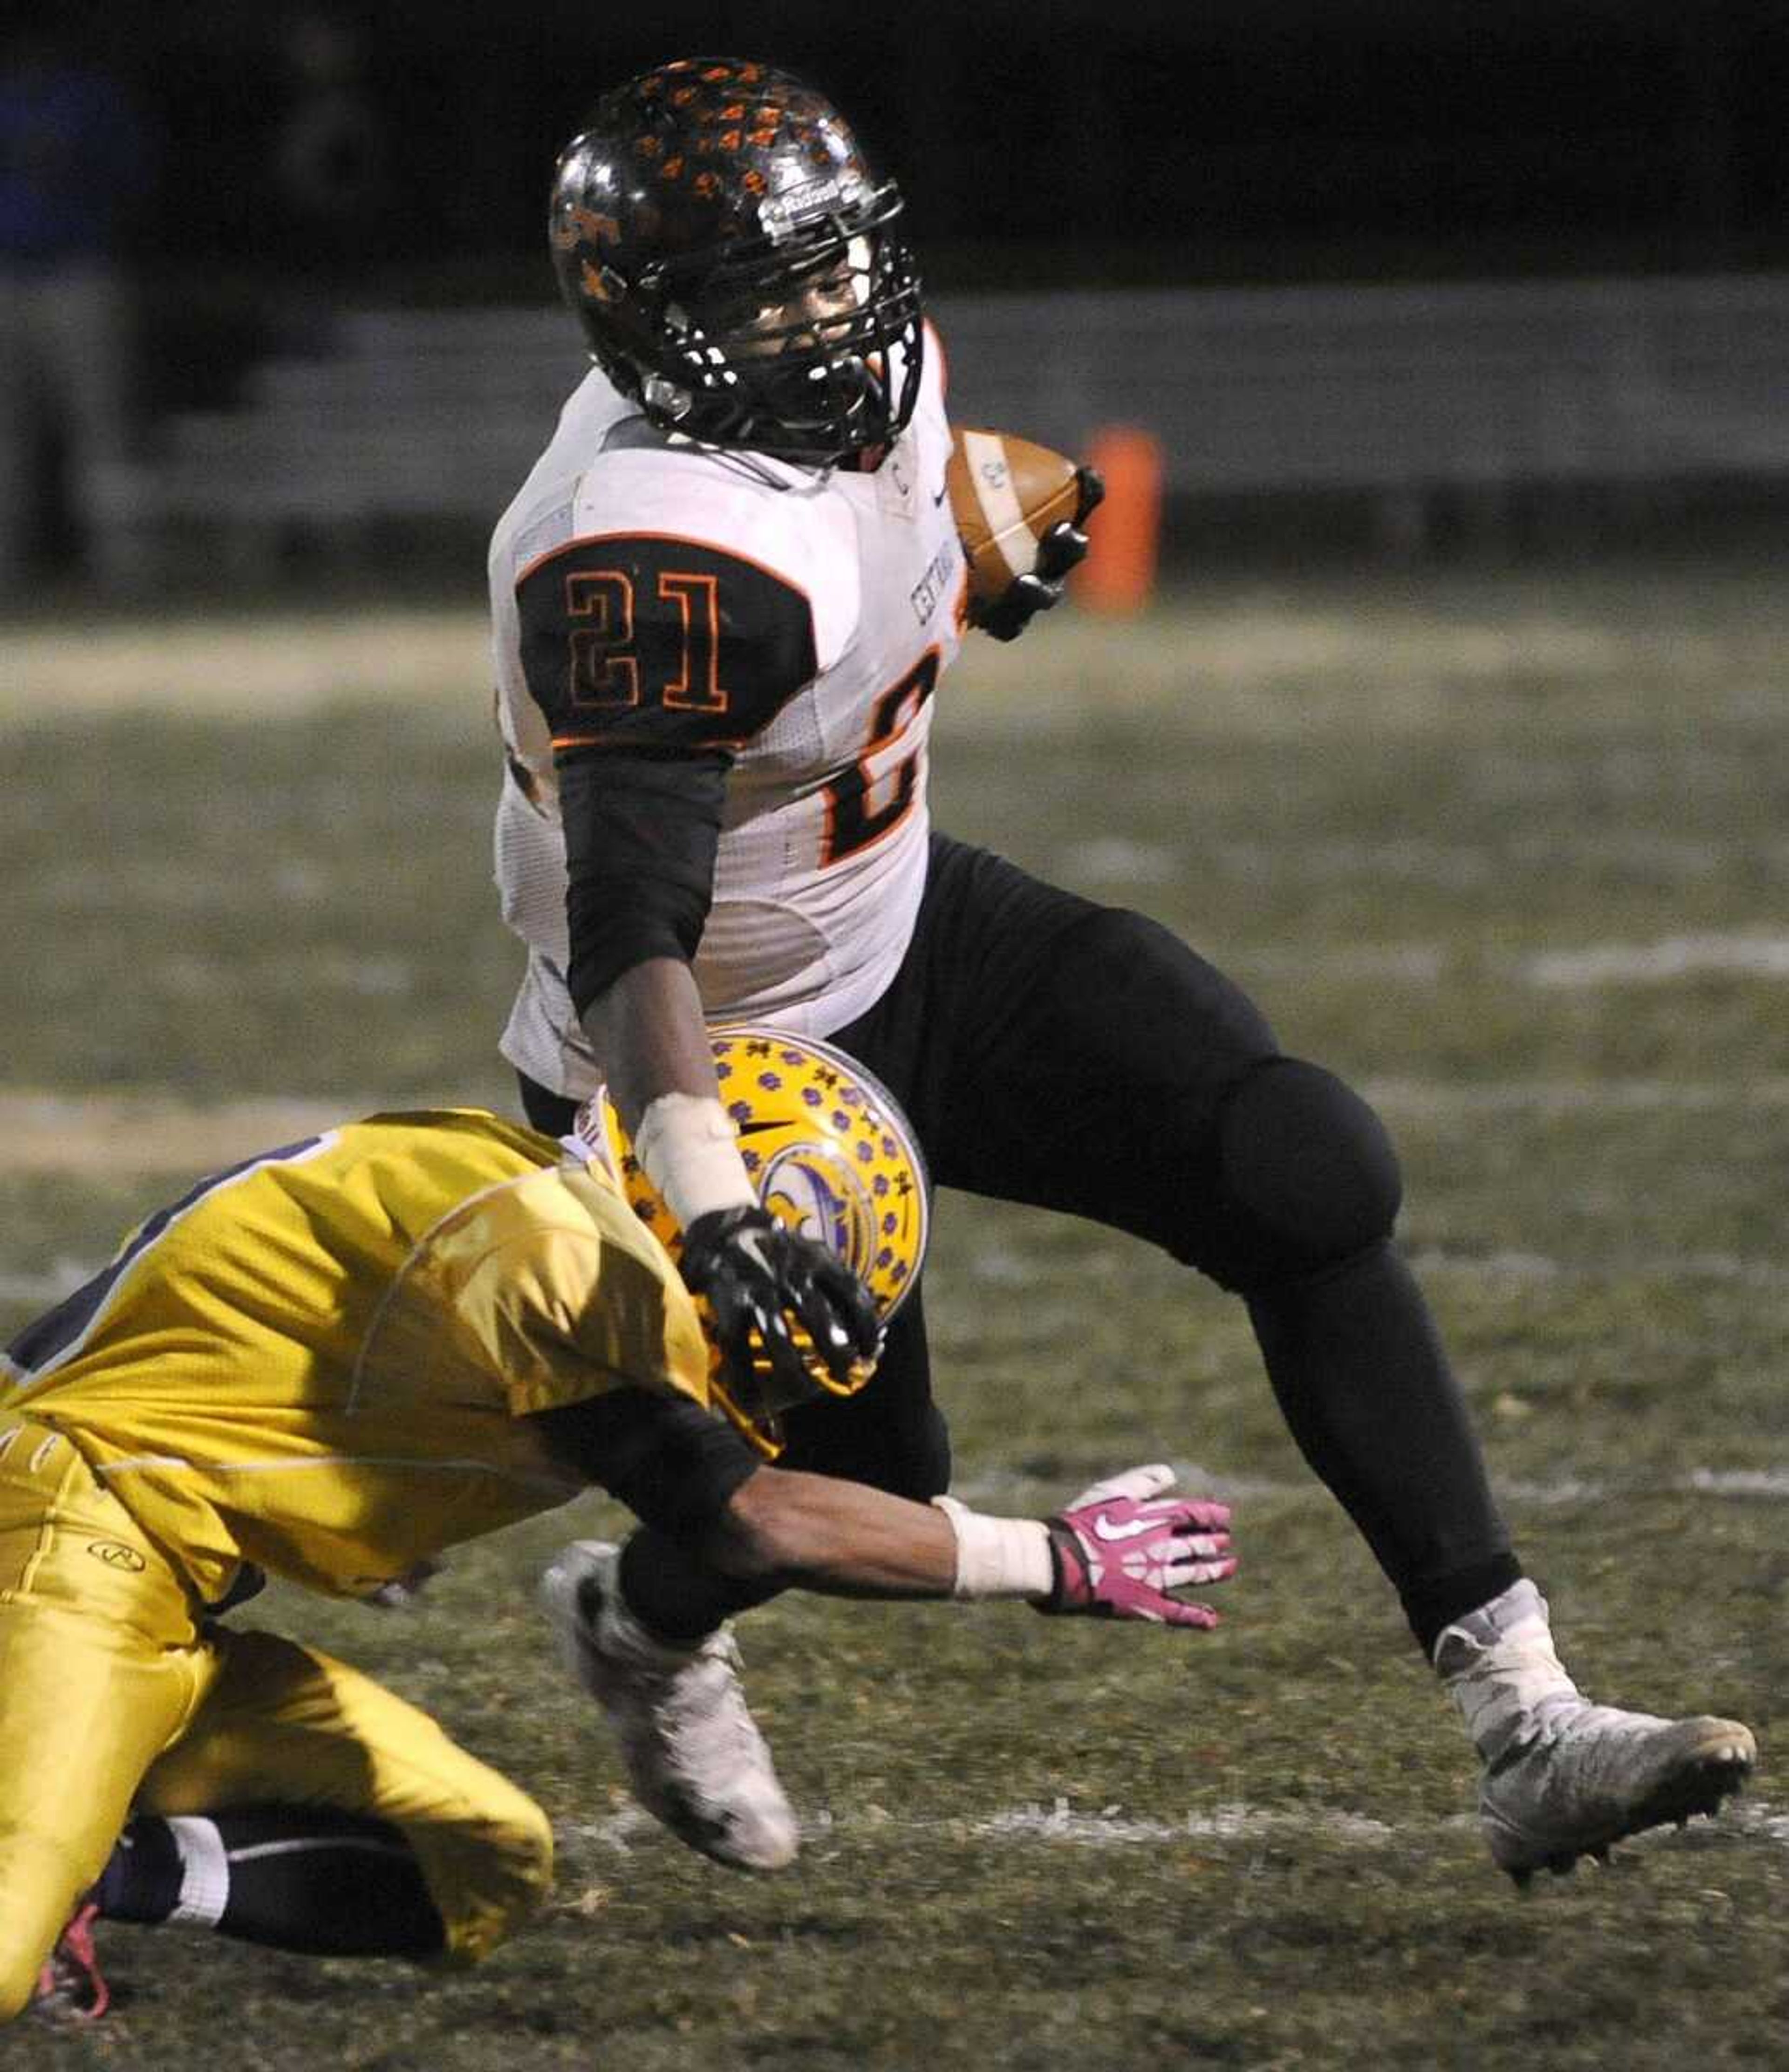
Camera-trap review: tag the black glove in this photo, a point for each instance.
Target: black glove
(757, 1275)
(1062, 548)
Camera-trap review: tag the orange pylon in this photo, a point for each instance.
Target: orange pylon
(1124, 534)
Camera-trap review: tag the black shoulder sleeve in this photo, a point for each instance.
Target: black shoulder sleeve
(644, 642)
(674, 1464)
(641, 836)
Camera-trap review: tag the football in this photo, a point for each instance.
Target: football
(1006, 493)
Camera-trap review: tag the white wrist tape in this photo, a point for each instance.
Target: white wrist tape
(688, 1148)
(998, 1557)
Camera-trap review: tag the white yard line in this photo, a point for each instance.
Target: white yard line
(1112, 1827)
(1769, 1482)
(147, 1131)
(1751, 954)
(112, 1136)
(1587, 1096)
(284, 662)
(1670, 1266)
(996, 1267)
(1062, 1823)
(1747, 953)
(61, 1277)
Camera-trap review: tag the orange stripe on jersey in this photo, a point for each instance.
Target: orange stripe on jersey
(625, 747)
(674, 539)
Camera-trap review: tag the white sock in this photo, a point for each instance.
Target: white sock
(204, 1870)
(1500, 1668)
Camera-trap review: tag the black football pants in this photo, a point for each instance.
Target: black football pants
(1078, 1058)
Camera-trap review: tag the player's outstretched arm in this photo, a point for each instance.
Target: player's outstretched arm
(1120, 1550)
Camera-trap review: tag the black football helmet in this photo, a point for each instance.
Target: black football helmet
(736, 269)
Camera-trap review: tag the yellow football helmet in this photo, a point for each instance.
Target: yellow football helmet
(831, 1154)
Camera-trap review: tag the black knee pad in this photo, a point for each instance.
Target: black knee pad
(1309, 1175)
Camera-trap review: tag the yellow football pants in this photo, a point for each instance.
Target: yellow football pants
(113, 1698)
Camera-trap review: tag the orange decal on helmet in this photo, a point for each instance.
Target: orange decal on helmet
(577, 225)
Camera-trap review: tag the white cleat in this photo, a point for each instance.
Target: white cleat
(1564, 1778)
(1591, 1776)
(694, 1755)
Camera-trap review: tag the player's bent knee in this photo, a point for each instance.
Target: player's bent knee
(1309, 1172)
(488, 1870)
(521, 1843)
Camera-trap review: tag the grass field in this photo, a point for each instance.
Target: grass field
(1510, 850)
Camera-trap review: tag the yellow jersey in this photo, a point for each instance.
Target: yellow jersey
(323, 1360)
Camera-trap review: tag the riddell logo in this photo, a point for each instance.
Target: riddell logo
(115, 1555)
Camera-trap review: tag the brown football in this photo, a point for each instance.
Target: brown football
(1006, 494)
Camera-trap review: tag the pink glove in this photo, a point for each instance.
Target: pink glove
(1119, 1548)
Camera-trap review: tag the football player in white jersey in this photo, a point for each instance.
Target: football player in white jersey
(723, 600)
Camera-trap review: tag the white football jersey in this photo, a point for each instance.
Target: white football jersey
(822, 854)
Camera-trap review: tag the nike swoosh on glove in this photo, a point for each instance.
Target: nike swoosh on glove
(1121, 1547)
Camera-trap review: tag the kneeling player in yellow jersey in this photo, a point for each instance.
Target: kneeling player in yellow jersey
(331, 1363)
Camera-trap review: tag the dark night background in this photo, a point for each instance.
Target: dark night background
(1038, 144)
(309, 159)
